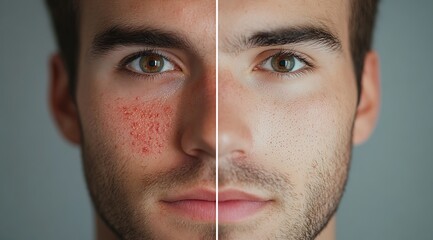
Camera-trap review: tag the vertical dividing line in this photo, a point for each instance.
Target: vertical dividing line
(216, 115)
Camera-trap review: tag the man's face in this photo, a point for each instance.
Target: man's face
(146, 104)
(146, 110)
(287, 104)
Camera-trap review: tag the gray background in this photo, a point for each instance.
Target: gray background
(390, 190)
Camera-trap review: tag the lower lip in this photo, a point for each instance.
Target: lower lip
(238, 210)
(198, 210)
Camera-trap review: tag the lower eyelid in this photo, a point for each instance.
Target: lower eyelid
(292, 75)
(150, 76)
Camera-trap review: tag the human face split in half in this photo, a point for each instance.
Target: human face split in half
(145, 115)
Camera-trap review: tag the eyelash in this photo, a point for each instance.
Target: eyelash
(308, 65)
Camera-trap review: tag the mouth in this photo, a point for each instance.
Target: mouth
(197, 204)
(200, 205)
(235, 206)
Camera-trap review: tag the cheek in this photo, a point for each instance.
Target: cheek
(303, 132)
(145, 126)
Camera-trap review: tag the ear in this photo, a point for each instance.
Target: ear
(368, 108)
(61, 102)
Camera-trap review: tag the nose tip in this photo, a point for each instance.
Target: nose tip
(234, 138)
(200, 140)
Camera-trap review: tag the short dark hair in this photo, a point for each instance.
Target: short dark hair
(65, 17)
(361, 27)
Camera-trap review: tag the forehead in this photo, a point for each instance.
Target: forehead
(273, 14)
(193, 18)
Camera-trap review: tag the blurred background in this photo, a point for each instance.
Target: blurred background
(390, 188)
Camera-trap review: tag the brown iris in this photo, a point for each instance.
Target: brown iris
(151, 63)
(283, 62)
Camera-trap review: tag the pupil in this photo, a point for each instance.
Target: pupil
(152, 63)
(283, 63)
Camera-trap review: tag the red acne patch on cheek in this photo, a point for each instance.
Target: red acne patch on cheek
(147, 124)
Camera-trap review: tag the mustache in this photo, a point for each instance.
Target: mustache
(239, 173)
(244, 173)
(191, 173)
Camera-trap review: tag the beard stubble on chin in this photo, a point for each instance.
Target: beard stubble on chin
(296, 215)
(106, 177)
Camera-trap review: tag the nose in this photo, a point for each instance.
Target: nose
(199, 136)
(234, 133)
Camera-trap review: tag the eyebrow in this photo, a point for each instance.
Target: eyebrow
(285, 36)
(117, 36)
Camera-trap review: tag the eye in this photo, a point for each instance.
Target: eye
(283, 63)
(150, 63)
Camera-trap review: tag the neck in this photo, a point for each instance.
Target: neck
(328, 233)
(104, 233)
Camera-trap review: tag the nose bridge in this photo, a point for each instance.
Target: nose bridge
(199, 135)
(207, 105)
(234, 132)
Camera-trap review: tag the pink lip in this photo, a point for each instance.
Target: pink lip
(200, 205)
(197, 204)
(235, 206)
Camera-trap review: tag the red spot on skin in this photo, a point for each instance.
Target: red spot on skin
(148, 124)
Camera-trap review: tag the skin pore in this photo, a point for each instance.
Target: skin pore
(288, 113)
(144, 115)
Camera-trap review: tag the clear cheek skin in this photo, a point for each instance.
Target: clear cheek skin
(299, 133)
(144, 125)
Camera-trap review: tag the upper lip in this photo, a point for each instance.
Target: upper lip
(236, 195)
(199, 194)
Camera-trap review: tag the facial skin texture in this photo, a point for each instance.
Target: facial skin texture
(287, 137)
(144, 138)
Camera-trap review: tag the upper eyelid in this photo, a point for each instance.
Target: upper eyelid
(297, 55)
